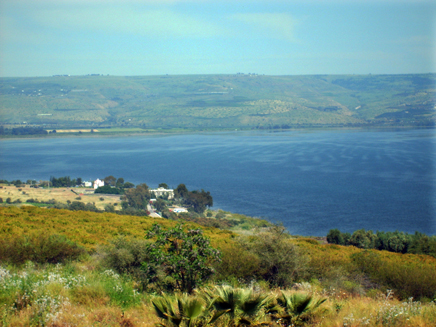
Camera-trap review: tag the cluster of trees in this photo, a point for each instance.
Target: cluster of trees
(65, 181)
(117, 182)
(23, 131)
(9, 200)
(197, 201)
(109, 190)
(18, 182)
(400, 242)
(139, 197)
(113, 185)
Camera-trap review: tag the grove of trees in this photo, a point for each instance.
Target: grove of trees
(64, 181)
(400, 242)
(23, 131)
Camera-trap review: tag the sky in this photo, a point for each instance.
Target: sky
(177, 37)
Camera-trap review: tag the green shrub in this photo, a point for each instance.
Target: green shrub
(125, 256)
(237, 262)
(281, 262)
(39, 248)
(407, 279)
(61, 206)
(77, 205)
(335, 236)
(220, 214)
(109, 208)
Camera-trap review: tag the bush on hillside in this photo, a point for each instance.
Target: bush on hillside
(124, 255)
(39, 248)
(281, 263)
(407, 279)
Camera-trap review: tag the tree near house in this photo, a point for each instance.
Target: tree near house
(110, 180)
(120, 182)
(128, 185)
(160, 205)
(199, 201)
(164, 185)
(138, 197)
(181, 191)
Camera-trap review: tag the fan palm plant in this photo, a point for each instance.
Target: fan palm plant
(294, 307)
(239, 306)
(179, 310)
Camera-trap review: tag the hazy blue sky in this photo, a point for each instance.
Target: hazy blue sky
(272, 37)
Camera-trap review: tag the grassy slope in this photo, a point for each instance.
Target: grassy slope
(95, 302)
(86, 228)
(90, 229)
(216, 101)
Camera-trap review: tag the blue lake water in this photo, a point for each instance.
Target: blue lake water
(311, 181)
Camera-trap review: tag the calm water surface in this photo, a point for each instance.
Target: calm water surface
(311, 181)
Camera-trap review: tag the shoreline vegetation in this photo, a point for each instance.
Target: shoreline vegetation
(133, 132)
(203, 268)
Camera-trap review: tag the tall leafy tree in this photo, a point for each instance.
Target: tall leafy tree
(181, 191)
(120, 182)
(138, 197)
(186, 256)
(199, 201)
(110, 180)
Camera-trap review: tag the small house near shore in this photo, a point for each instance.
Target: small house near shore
(98, 183)
(163, 192)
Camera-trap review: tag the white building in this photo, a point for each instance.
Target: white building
(179, 210)
(160, 191)
(98, 183)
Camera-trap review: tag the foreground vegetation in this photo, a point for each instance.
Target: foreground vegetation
(81, 295)
(61, 267)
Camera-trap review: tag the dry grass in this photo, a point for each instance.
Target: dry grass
(85, 316)
(61, 195)
(364, 311)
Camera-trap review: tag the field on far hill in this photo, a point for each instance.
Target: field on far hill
(218, 101)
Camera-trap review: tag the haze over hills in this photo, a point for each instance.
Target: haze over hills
(219, 101)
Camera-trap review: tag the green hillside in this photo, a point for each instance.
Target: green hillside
(218, 101)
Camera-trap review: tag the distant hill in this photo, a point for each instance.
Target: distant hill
(219, 101)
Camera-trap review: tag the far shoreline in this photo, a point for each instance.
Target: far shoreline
(152, 133)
